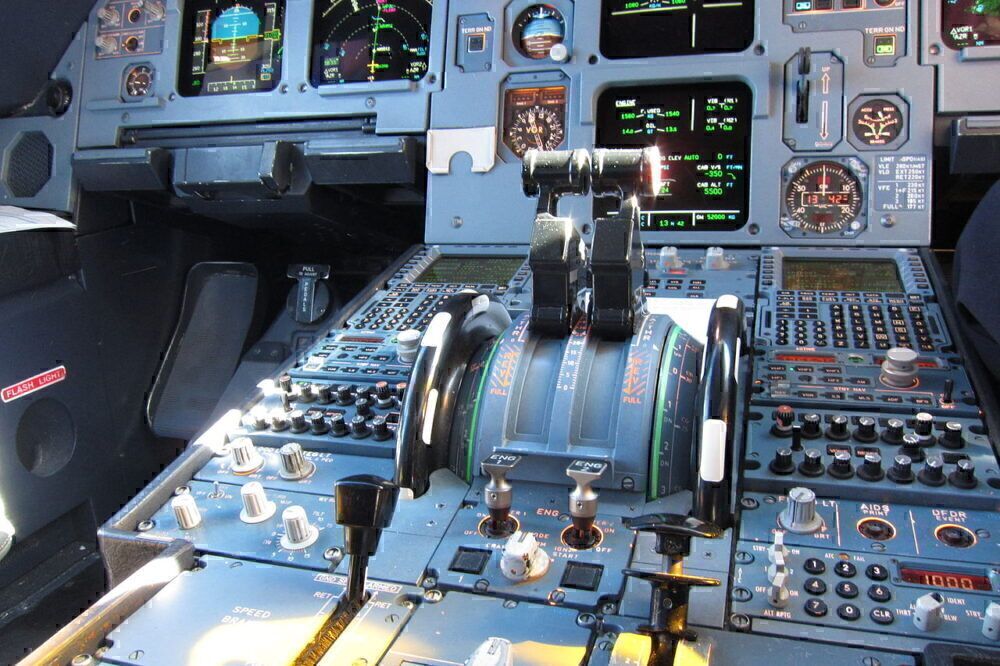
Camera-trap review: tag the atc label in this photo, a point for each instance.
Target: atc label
(32, 384)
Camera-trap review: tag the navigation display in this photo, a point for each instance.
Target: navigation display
(841, 275)
(230, 46)
(703, 133)
(655, 28)
(970, 23)
(471, 270)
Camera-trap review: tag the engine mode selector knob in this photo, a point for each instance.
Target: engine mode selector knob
(911, 448)
(523, 559)
(246, 457)
(256, 507)
(899, 368)
(318, 424)
(964, 476)
(299, 533)
(928, 611)
(782, 463)
(932, 473)
(380, 429)
(186, 511)
(838, 429)
(893, 433)
(800, 514)
(499, 494)
(583, 503)
(901, 470)
(812, 463)
(715, 259)
(841, 467)
(811, 426)
(294, 465)
(871, 468)
(297, 421)
(865, 432)
(952, 437)
(407, 345)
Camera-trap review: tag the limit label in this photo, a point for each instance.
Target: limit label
(901, 182)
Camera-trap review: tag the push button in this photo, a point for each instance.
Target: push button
(816, 608)
(849, 612)
(815, 586)
(845, 569)
(882, 616)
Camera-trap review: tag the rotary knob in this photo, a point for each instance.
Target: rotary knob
(254, 421)
(812, 463)
(363, 406)
(338, 427)
(285, 383)
(246, 458)
(279, 421)
(933, 472)
(811, 426)
(344, 395)
(964, 476)
(380, 429)
(186, 511)
(911, 448)
(838, 428)
(318, 424)
(901, 470)
(782, 463)
(952, 437)
(923, 426)
(871, 468)
(323, 394)
(800, 514)
(866, 430)
(841, 467)
(784, 419)
(359, 429)
(306, 393)
(299, 533)
(294, 465)
(297, 421)
(893, 433)
(407, 345)
(383, 395)
(899, 369)
(107, 44)
(256, 507)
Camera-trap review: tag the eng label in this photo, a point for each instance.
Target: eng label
(32, 384)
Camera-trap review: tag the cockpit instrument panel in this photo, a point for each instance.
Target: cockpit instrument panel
(370, 40)
(703, 133)
(231, 46)
(534, 118)
(655, 28)
(970, 23)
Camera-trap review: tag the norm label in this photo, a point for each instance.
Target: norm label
(32, 384)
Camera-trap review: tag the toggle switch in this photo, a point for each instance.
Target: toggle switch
(256, 507)
(499, 494)
(294, 465)
(583, 502)
(299, 533)
(186, 511)
(245, 457)
(928, 612)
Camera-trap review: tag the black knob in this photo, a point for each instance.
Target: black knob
(359, 428)
(796, 438)
(306, 393)
(893, 433)
(947, 395)
(363, 392)
(365, 504)
(841, 467)
(285, 383)
(363, 406)
(810, 426)
(838, 428)
(812, 463)
(344, 395)
(964, 476)
(952, 437)
(784, 417)
(380, 429)
(323, 395)
(782, 463)
(383, 395)
(901, 470)
(866, 430)
(338, 427)
(923, 426)
(278, 422)
(911, 448)
(933, 472)
(297, 421)
(400, 390)
(317, 423)
(871, 468)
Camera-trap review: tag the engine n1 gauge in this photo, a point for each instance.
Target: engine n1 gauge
(824, 197)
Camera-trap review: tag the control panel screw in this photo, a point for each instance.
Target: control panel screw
(557, 596)
(145, 526)
(739, 622)
(429, 582)
(433, 596)
(509, 604)
(741, 594)
(391, 618)
(482, 585)
(585, 619)
(370, 102)
(609, 608)
(136, 655)
(888, 221)
(82, 660)
(871, 661)
(457, 222)
(749, 503)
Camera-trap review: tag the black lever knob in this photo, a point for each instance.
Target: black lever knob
(365, 505)
(673, 531)
(810, 426)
